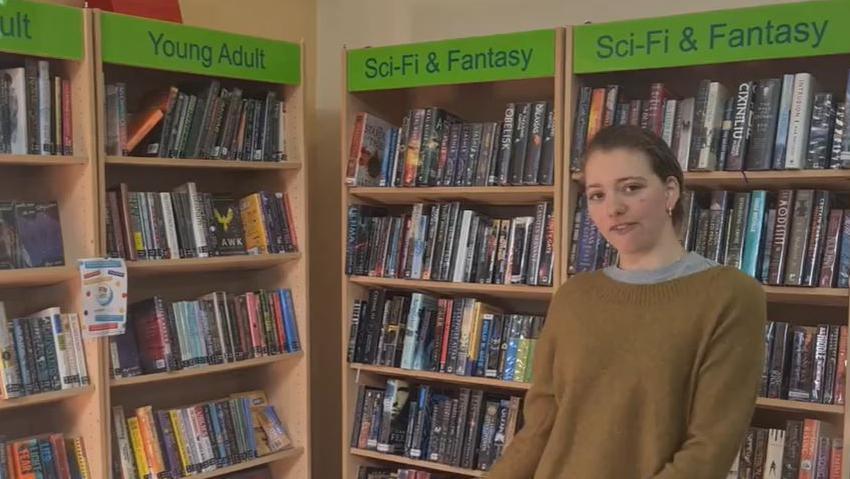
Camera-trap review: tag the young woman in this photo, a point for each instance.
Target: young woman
(647, 369)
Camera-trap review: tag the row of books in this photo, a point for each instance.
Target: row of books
(434, 147)
(805, 449)
(215, 329)
(217, 123)
(30, 235)
(462, 427)
(462, 336)
(447, 242)
(771, 123)
(788, 237)
(203, 437)
(45, 455)
(35, 111)
(186, 223)
(41, 352)
(805, 363)
(371, 472)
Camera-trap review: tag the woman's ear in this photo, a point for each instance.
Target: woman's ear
(672, 191)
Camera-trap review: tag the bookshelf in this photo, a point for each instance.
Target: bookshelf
(474, 96)
(62, 37)
(681, 74)
(285, 377)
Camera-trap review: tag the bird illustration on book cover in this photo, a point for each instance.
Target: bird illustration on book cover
(227, 226)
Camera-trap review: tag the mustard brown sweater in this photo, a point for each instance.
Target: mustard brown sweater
(642, 381)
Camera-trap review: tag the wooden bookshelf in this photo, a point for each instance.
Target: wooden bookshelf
(800, 407)
(427, 376)
(803, 306)
(36, 276)
(473, 101)
(152, 162)
(277, 457)
(205, 265)
(775, 179)
(284, 378)
(71, 181)
(146, 379)
(404, 461)
(44, 398)
(492, 195)
(43, 160)
(512, 291)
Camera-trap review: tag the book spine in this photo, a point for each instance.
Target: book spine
(799, 121)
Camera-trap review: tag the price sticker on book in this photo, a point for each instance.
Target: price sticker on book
(104, 296)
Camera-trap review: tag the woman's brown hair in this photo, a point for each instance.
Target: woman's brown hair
(661, 158)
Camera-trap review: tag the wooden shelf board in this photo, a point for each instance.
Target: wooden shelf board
(494, 290)
(201, 265)
(799, 406)
(500, 195)
(442, 377)
(42, 160)
(192, 372)
(151, 162)
(267, 459)
(434, 466)
(36, 276)
(44, 398)
(764, 179)
(812, 296)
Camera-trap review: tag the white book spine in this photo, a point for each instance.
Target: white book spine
(775, 450)
(77, 339)
(411, 331)
(509, 254)
(44, 110)
(170, 226)
(415, 239)
(686, 115)
(669, 121)
(70, 350)
(460, 252)
(61, 345)
(123, 440)
(11, 385)
(801, 116)
(713, 123)
(196, 211)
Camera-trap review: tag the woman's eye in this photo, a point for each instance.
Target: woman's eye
(632, 188)
(594, 196)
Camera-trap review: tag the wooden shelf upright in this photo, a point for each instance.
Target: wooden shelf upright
(125, 53)
(62, 36)
(474, 96)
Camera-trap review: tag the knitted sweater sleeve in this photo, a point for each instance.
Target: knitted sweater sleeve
(726, 389)
(520, 459)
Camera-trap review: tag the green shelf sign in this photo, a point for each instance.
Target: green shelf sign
(757, 33)
(41, 29)
(510, 56)
(140, 42)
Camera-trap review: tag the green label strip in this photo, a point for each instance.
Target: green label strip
(159, 45)
(758, 33)
(510, 56)
(41, 29)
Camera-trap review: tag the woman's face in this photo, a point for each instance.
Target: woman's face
(626, 199)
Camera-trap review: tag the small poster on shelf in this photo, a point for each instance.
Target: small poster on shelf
(104, 296)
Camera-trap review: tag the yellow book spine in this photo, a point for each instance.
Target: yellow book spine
(181, 444)
(80, 452)
(138, 450)
(254, 227)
